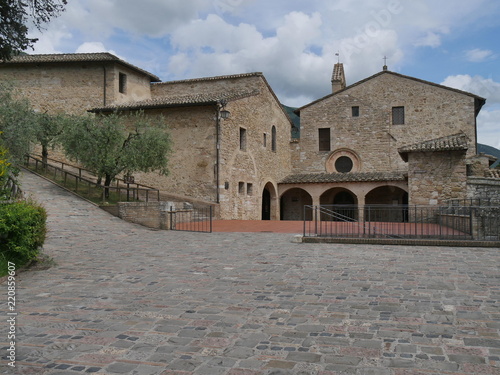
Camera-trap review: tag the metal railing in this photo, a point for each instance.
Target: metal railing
(451, 222)
(191, 219)
(84, 184)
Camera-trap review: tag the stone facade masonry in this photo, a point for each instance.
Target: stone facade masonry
(430, 112)
(435, 177)
(74, 88)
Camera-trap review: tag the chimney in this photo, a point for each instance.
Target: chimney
(338, 78)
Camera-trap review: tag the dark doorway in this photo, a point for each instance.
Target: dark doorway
(266, 205)
(344, 206)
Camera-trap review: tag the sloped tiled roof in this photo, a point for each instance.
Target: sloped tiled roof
(455, 142)
(180, 100)
(214, 78)
(343, 177)
(493, 173)
(75, 58)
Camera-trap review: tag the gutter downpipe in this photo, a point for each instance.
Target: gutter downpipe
(217, 152)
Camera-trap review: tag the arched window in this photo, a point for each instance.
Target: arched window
(273, 138)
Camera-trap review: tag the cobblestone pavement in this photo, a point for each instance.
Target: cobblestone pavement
(127, 300)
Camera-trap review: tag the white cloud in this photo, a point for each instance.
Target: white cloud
(478, 55)
(484, 87)
(488, 128)
(432, 39)
(488, 120)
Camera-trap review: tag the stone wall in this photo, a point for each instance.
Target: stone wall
(478, 187)
(430, 112)
(74, 88)
(192, 162)
(434, 177)
(245, 173)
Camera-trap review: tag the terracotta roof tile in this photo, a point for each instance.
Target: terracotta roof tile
(76, 57)
(455, 142)
(343, 177)
(180, 100)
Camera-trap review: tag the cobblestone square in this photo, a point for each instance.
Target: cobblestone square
(124, 299)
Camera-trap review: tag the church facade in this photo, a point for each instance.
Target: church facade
(388, 139)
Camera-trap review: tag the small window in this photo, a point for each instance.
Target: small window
(273, 138)
(243, 139)
(241, 188)
(324, 139)
(355, 111)
(265, 140)
(343, 164)
(398, 115)
(249, 189)
(122, 83)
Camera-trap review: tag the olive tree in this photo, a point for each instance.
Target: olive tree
(112, 144)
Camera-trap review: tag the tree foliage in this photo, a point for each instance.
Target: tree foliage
(110, 145)
(47, 129)
(16, 15)
(17, 120)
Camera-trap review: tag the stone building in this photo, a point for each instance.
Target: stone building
(231, 142)
(73, 83)
(388, 139)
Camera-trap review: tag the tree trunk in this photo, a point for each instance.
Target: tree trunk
(45, 156)
(107, 184)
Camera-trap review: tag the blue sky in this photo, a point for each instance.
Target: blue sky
(294, 42)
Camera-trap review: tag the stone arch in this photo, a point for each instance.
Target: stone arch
(387, 194)
(292, 204)
(342, 202)
(269, 202)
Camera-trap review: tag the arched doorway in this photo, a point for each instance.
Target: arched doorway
(266, 204)
(387, 204)
(292, 205)
(342, 204)
(269, 210)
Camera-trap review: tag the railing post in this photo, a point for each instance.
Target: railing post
(211, 212)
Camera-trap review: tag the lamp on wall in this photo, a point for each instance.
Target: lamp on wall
(224, 114)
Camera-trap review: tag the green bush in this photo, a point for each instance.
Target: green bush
(22, 232)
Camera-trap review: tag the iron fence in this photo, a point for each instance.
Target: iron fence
(83, 183)
(451, 222)
(191, 219)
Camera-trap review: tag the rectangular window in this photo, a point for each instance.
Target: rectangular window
(241, 188)
(398, 115)
(243, 139)
(249, 189)
(324, 139)
(355, 111)
(265, 140)
(122, 83)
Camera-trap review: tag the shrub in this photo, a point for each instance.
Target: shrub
(22, 231)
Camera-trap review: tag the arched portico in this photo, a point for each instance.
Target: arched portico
(293, 202)
(341, 202)
(388, 194)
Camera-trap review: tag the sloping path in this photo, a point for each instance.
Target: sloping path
(125, 299)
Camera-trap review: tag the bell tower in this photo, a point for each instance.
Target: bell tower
(338, 77)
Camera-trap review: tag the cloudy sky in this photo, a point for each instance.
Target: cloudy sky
(295, 42)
